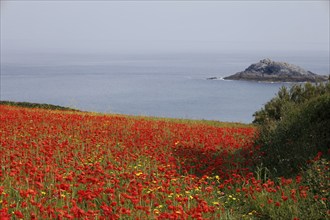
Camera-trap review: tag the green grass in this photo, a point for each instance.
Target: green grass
(37, 105)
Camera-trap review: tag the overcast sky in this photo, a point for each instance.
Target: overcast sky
(180, 26)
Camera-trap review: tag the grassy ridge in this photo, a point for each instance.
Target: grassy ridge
(37, 105)
(153, 118)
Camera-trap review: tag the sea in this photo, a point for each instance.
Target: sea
(171, 85)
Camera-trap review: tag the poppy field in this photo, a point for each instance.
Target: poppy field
(76, 165)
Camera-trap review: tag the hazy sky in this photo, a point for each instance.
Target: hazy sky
(144, 26)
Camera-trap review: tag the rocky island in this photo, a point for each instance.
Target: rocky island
(270, 71)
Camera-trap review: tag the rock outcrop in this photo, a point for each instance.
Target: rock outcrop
(270, 71)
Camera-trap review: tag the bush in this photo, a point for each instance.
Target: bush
(294, 128)
(277, 107)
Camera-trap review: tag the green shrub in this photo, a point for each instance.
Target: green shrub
(294, 128)
(285, 99)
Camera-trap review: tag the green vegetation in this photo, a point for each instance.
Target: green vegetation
(294, 139)
(294, 128)
(195, 121)
(75, 165)
(37, 105)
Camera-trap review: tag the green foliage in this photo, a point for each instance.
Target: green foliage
(285, 99)
(317, 177)
(37, 105)
(294, 127)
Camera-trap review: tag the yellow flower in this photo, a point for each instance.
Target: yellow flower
(215, 203)
(156, 211)
(138, 174)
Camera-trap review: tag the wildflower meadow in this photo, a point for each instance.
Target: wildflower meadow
(59, 164)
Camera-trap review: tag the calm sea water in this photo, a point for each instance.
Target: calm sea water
(165, 85)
